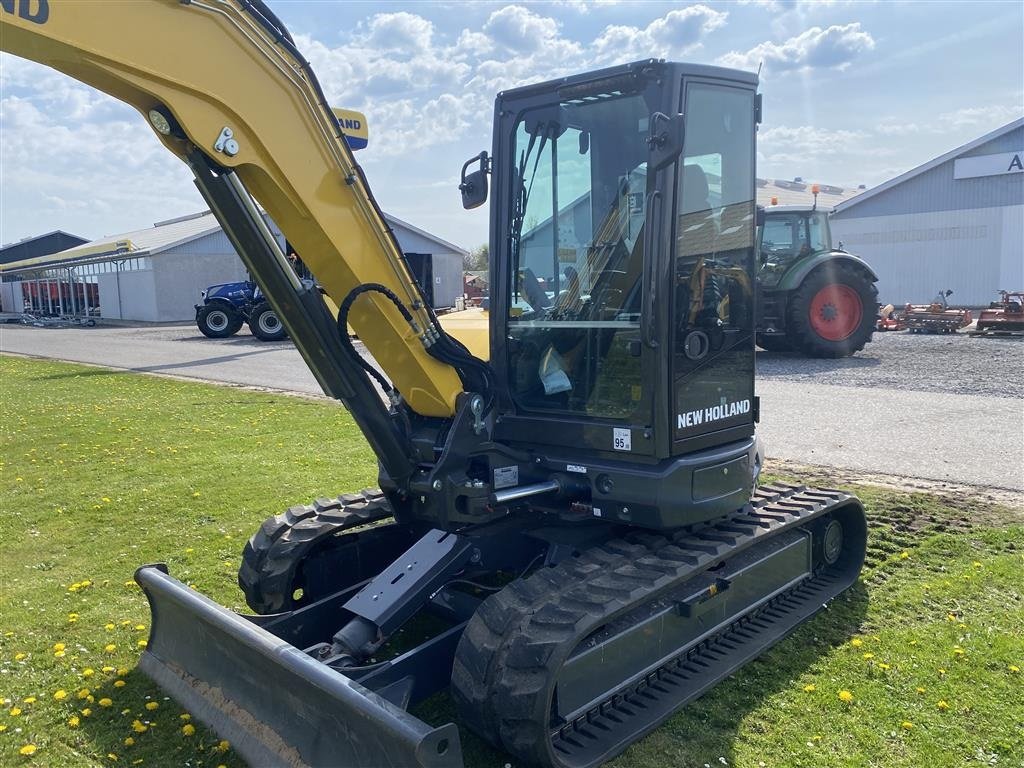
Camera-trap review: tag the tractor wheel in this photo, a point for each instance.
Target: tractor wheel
(830, 313)
(218, 322)
(265, 324)
(774, 343)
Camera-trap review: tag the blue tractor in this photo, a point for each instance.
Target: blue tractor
(225, 307)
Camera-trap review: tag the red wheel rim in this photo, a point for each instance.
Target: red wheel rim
(835, 312)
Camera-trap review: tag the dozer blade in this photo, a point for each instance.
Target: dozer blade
(275, 704)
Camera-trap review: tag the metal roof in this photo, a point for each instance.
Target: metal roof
(163, 236)
(394, 220)
(953, 153)
(799, 193)
(141, 242)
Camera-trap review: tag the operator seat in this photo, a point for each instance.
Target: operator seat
(695, 190)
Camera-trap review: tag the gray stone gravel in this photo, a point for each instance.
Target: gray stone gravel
(954, 364)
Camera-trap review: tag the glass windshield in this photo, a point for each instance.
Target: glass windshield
(578, 200)
(790, 236)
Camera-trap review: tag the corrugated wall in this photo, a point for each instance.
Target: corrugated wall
(937, 190)
(973, 252)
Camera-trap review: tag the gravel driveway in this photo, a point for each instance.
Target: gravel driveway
(943, 408)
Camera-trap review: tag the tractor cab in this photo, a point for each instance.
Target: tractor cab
(792, 233)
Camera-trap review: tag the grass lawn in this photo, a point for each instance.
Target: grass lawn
(103, 471)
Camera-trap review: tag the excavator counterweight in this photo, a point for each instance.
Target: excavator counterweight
(570, 526)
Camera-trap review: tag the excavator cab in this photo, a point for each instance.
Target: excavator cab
(567, 536)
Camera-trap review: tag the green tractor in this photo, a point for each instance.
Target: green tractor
(814, 298)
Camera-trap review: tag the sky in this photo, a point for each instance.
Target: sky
(854, 93)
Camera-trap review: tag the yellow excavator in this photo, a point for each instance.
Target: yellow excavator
(569, 525)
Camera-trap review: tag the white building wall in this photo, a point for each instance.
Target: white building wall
(11, 297)
(182, 274)
(128, 295)
(973, 252)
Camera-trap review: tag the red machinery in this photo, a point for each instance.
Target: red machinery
(937, 317)
(1002, 318)
(889, 319)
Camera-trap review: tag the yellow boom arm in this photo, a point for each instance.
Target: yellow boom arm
(245, 100)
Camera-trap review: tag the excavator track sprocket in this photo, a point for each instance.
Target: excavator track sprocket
(519, 646)
(273, 556)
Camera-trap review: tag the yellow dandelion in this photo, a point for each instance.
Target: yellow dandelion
(119, 683)
(188, 729)
(140, 627)
(151, 705)
(977, 564)
(1014, 669)
(884, 667)
(856, 642)
(958, 651)
(906, 725)
(73, 721)
(60, 695)
(14, 711)
(921, 690)
(142, 643)
(809, 688)
(109, 627)
(108, 670)
(19, 656)
(30, 699)
(59, 654)
(223, 746)
(59, 646)
(186, 717)
(110, 648)
(72, 618)
(105, 702)
(88, 672)
(106, 499)
(904, 555)
(86, 712)
(28, 750)
(951, 617)
(845, 696)
(129, 741)
(869, 656)
(122, 671)
(195, 495)
(2, 728)
(942, 706)
(84, 693)
(139, 727)
(942, 672)
(111, 756)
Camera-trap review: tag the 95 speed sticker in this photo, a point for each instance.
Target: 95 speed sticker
(622, 439)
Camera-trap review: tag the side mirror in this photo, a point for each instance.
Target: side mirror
(759, 216)
(473, 186)
(665, 140)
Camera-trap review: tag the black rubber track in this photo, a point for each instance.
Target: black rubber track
(273, 554)
(798, 327)
(509, 657)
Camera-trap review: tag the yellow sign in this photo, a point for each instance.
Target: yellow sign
(353, 125)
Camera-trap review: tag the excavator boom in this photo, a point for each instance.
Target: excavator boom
(238, 101)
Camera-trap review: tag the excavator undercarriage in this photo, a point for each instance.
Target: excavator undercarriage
(561, 654)
(568, 535)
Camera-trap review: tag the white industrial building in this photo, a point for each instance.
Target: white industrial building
(956, 222)
(156, 274)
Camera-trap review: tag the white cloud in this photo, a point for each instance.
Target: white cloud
(400, 32)
(675, 33)
(835, 47)
(519, 29)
